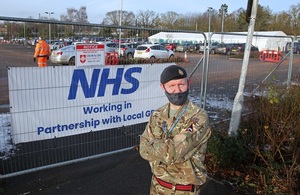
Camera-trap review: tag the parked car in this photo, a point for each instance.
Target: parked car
(212, 47)
(126, 49)
(64, 55)
(66, 43)
(171, 46)
(183, 47)
(153, 51)
(109, 46)
(195, 47)
(224, 48)
(55, 45)
(288, 47)
(240, 47)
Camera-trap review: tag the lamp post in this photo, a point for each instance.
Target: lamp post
(210, 9)
(223, 9)
(25, 35)
(120, 30)
(49, 13)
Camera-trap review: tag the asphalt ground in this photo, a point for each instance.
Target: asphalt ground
(124, 173)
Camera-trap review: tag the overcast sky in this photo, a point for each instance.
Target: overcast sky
(96, 9)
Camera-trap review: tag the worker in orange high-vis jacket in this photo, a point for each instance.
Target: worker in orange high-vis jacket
(42, 52)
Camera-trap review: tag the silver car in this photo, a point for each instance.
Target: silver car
(126, 49)
(64, 55)
(109, 46)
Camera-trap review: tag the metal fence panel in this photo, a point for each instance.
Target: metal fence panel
(222, 82)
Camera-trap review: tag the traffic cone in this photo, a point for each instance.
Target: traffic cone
(185, 57)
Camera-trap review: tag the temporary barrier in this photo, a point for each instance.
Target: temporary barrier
(111, 58)
(270, 56)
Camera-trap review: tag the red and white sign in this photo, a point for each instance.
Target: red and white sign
(90, 55)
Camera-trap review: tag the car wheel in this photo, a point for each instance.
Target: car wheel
(228, 53)
(212, 52)
(72, 61)
(172, 58)
(152, 59)
(129, 55)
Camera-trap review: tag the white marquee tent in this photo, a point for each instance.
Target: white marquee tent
(264, 40)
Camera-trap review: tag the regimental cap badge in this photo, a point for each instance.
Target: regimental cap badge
(180, 72)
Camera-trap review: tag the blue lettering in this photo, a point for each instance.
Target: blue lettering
(89, 87)
(128, 77)
(79, 76)
(105, 80)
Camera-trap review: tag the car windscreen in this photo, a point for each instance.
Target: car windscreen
(142, 48)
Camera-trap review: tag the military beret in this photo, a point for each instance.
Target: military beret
(171, 73)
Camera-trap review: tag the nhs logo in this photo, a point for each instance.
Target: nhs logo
(96, 84)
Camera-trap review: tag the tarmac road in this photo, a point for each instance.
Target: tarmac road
(124, 173)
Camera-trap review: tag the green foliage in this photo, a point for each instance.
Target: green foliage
(273, 136)
(226, 151)
(266, 151)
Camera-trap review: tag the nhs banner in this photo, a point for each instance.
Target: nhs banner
(62, 101)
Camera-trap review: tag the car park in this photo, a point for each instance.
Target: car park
(126, 49)
(64, 55)
(153, 51)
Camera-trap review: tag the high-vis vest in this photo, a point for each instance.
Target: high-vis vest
(42, 51)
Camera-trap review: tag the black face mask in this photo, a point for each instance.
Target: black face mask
(177, 99)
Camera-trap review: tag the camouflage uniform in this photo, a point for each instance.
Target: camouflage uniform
(177, 158)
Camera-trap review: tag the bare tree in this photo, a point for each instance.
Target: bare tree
(113, 18)
(295, 18)
(82, 15)
(74, 15)
(147, 19)
(281, 20)
(169, 19)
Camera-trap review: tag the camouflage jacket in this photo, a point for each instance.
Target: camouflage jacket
(177, 158)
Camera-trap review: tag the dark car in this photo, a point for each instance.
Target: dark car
(288, 47)
(240, 47)
(195, 47)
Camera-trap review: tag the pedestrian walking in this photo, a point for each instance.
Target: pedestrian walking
(175, 139)
(42, 52)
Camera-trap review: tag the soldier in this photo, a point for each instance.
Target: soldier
(174, 141)
(42, 52)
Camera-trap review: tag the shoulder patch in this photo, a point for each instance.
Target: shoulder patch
(190, 128)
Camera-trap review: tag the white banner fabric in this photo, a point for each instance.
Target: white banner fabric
(62, 101)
